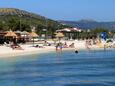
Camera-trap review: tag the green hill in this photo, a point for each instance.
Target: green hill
(19, 13)
(16, 19)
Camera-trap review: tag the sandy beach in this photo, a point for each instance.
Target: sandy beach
(7, 52)
(29, 49)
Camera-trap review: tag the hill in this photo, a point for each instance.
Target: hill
(16, 19)
(90, 24)
(19, 13)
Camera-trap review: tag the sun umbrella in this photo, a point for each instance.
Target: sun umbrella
(59, 35)
(33, 35)
(10, 34)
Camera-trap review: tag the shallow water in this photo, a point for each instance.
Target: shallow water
(87, 68)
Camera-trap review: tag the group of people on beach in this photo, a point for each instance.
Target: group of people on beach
(90, 42)
(60, 45)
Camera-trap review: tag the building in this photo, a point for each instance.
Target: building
(70, 33)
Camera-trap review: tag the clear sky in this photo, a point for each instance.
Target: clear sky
(100, 10)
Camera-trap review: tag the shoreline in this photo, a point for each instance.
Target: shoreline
(7, 52)
(15, 53)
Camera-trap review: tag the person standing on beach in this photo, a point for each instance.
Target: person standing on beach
(87, 44)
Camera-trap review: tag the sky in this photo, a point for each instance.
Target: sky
(72, 10)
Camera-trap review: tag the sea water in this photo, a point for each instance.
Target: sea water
(87, 68)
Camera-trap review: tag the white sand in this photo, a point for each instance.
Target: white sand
(28, 49)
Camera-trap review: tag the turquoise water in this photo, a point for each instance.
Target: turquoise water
(87, 68)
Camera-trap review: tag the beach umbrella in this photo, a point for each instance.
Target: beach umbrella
(11, 34)
(109, 41)
(59, 35)
(33, 35)
(25, 34)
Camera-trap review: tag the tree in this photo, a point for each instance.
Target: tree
(99, 30)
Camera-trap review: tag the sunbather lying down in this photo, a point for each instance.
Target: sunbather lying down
(16, 47)
(72, 45)
(38, 46)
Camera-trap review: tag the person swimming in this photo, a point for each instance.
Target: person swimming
(76, 51)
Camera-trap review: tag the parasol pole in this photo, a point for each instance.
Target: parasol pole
(33, 41)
